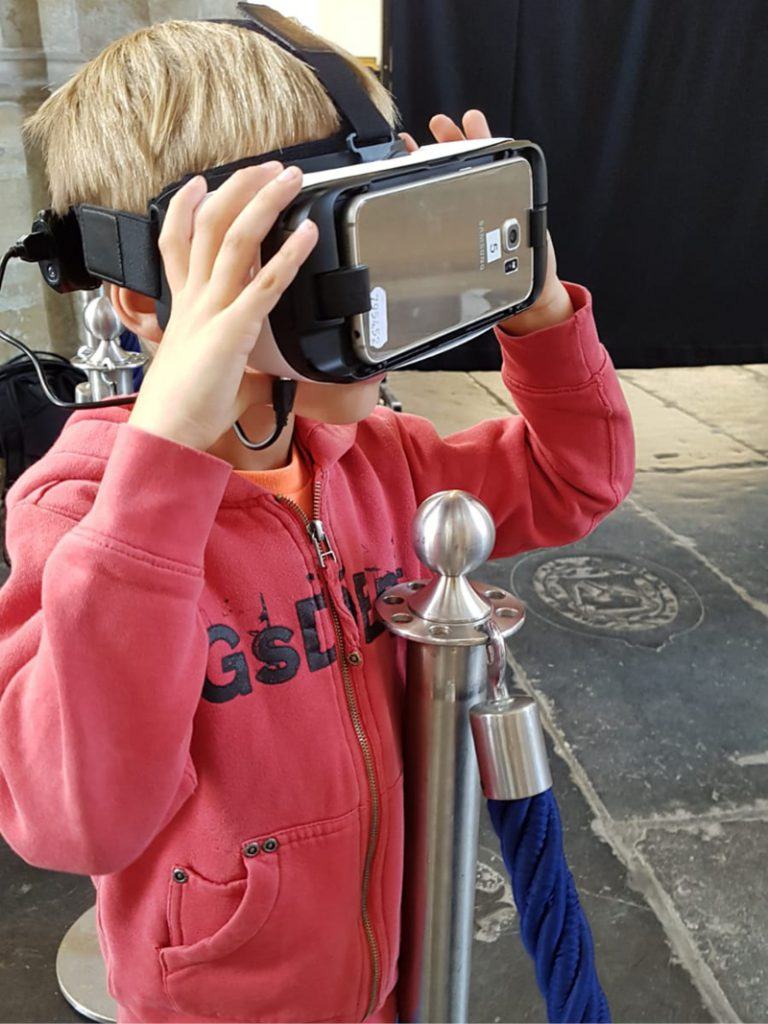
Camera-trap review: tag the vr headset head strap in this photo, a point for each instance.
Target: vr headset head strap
(93, 244)
(368, 126)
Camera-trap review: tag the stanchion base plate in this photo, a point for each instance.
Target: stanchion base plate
(395, 610)
(81, 973)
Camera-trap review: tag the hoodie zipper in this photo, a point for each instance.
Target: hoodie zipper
(324, 553)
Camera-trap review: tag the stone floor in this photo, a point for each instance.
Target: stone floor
(647, 647)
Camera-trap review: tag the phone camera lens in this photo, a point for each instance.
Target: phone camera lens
(511, 234)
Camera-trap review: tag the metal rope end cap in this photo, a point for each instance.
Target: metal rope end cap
(511, 752)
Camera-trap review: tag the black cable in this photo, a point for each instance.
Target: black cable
(283, 397)
(16, 251)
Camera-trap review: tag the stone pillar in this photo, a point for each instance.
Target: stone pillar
(73, 31)
(23, 308)
(43, 42)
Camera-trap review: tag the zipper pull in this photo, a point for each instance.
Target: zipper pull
(316, 531)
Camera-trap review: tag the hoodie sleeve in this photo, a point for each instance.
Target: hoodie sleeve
(551, 473)
(103, 653)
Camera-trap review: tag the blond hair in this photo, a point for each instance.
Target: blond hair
(174, 98)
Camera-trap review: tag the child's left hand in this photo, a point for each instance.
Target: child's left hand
(554, 304)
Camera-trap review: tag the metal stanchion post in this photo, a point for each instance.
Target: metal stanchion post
(107, 364)
(455, 631)
(82, 973)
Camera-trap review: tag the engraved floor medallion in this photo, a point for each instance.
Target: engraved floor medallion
(609, 596)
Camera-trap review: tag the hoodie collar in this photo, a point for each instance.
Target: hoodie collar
(90, 433)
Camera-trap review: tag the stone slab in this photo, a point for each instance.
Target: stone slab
(491, 381)
(668, 439)
(723, 512)
(715, 874)
(665, 439)
(671, 439)
(653, 668)
(637, 970)
(729, 399)
(452, 401)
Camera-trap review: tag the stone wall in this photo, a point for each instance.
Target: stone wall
(42, 43)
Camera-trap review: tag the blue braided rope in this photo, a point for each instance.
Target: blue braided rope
(553, 926)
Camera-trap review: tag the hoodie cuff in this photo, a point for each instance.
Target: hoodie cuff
(158, 496)
(565, 355)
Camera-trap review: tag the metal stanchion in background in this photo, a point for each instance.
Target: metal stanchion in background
(455, 673)
(108, 365)
(82, 973)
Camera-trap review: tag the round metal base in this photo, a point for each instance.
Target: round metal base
(394, 607)
(81, 973)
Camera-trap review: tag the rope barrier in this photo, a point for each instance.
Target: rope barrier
(553, 926)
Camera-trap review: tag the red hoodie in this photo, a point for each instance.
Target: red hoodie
(247, 840)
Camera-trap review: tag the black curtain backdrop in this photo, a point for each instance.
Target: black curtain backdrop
(653, 118)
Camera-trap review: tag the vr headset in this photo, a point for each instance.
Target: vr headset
(417, 253)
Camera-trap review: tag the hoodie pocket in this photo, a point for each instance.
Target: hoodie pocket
(209, 920)
(282, 944)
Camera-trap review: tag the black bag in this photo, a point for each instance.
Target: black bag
(29, 423)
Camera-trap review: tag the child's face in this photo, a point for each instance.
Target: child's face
(327, 403)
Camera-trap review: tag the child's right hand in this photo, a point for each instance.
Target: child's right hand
(198, 386)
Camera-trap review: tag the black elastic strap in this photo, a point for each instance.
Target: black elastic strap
(344, 292)
(338, 78)
(537, 228)
(121, 247)
(342, 84)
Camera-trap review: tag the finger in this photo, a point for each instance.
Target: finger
(240, 249)
(444, 129)
(176, 234)
(246, 315)
(475, 125)
(217, 213)
(551, 258)
(410, 143)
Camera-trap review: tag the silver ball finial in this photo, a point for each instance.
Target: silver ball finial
(453, 533)
(101, 321)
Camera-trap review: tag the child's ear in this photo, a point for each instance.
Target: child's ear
(136, 312)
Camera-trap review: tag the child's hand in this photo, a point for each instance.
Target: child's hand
(554, 304)
(198, 385)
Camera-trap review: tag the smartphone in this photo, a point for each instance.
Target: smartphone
(441, 255)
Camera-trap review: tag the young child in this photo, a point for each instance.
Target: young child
(198, 706)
